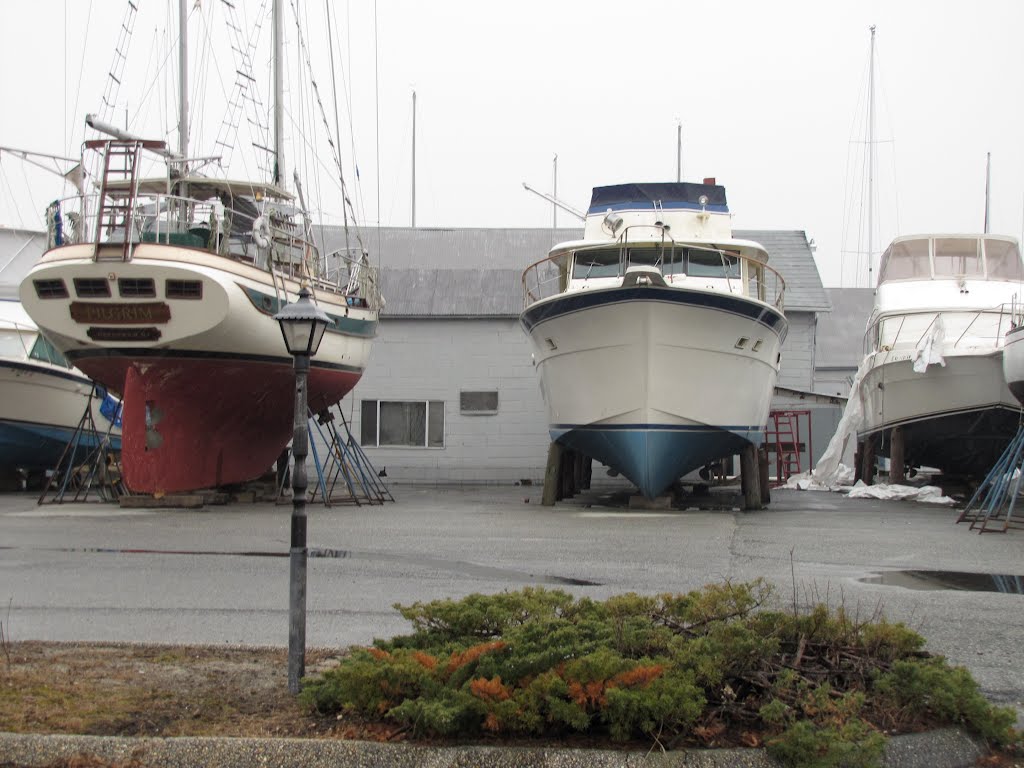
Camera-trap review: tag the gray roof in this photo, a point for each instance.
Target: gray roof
(840, 334)
(456, 272)
(791, 256)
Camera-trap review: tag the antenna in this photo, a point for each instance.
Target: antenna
(554, 201)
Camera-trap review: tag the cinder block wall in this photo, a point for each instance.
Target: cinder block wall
(435, 359)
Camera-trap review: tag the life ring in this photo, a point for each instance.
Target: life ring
(261, 232)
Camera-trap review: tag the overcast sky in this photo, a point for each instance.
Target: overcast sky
(771, 97)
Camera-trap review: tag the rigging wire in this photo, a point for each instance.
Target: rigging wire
(81, 71)
(376, 102)
(337, 126)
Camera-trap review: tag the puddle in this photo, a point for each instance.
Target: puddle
(457, 566)
(958, 580)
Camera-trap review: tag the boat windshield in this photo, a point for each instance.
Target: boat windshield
(1002, 260)
(953, 257)
(603, 262)
(907, 260)
(697, 262)
(44, 350)
(958, 256)
(702, 263)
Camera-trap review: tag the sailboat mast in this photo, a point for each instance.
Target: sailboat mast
(414, 159)
(988, 179)
(871, 161)
(278, 94)
(183, 80)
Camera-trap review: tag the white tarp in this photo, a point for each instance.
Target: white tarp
(826, 471)
(929, 348)
(931, 494)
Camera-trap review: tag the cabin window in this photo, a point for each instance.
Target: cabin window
(44, 350)
(907, 260)
(957, 256)
(92, 287)
(1002, 260)
(183, 289)
(701, 263)
(647, 257)
(50, 289)
(478, 403)
(136, 287)
(602, 262)
(402, 423)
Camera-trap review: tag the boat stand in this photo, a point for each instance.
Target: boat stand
(345, 475)
(98, 474)
(993, 502)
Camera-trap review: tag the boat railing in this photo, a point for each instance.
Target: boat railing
(550, 277)
(961, 329)
(268, 240)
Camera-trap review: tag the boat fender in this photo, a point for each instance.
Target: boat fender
(261, 232)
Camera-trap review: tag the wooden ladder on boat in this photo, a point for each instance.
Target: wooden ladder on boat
(118, 190)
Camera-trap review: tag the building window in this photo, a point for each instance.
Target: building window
(478, 403)
(402, 423)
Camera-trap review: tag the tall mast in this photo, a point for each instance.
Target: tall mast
(871, 161)
(679, 150)
(414, 159)
(988, 179)
(278, 94)
(183, 80)
(554, 192)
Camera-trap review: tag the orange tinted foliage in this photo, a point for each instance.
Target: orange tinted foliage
(472, 654)
(489, 690)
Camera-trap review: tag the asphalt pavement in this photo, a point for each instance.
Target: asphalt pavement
(95, 572)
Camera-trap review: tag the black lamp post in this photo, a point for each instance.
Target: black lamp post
(302, 325)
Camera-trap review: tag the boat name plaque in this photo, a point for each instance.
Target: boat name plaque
(146, 313)
(124, 334)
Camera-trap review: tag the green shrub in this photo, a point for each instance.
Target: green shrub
(816, 687)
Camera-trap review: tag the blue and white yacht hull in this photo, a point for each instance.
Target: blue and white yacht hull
(656, 381)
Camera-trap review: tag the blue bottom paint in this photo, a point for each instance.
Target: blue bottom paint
(653, 458)
(40, 446)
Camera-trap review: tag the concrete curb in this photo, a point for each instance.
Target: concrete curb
(937, 749)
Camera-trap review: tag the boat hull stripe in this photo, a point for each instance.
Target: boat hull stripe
(566, 304)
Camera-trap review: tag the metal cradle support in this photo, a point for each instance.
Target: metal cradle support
(89, 466)
(991, 507)
(344, 475)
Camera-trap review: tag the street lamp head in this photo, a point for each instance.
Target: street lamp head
(302, 325)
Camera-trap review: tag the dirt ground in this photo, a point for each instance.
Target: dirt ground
(132, 690)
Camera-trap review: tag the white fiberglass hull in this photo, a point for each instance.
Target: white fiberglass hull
(957, 417)
(42, 403)
(655, 381)
(1013, 362)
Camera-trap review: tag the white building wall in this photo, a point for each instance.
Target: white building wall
(434, 359)
(797, 369)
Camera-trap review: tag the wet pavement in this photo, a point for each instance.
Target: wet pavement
(220, 574)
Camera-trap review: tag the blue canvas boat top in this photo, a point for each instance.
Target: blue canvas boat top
(666, 195)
